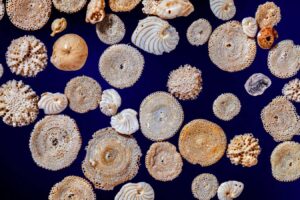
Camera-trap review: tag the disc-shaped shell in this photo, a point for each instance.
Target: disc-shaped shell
(223, 9)
(249, 26)
(226, 106)
(125, 122)
(230, 190)
(69, 6)
(53, 103)
(123, 5)
(136, 191)
(110, 102)
(205, 186)
(155, 36)
(198, 32)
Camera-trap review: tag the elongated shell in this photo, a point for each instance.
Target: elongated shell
(125, 122)
(58, 26)
(155, 36)
(230, 190)
(53, 103)
(223, 9)
(110, 102)
(136, 191)
(249, 26)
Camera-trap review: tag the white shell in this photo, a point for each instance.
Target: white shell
(125, 122)
(53, 103)
(223, 9)
(155, 36)
(250, 27)
(136, 191)
(110, 102)
(230, 190)
(1, 70)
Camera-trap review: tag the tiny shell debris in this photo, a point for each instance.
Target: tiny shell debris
(199, 32)
(123, 5)
(266, 37)
(1, 70)
(291, 90)
(58, 26)
(257, 84)
(223, 9)
(110, 102)
(268, 15)
(2, 10)
(95, 11)
(136, 191)
(250, 27)
(53, 103)
(125, 122)
(230, 190)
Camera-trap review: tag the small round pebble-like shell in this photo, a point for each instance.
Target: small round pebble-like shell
(83, 93)
(163, 162)
(223, 9)
(111, 159)
(58, 26)
(26, 56)
(205, 186)
(110, 102)
(55, 142)
(125, 122)
(121, 65)
(2, 10)
(226, 106)
(1, 70)
(257, 84)
(155, 36)
(284, 59)
(285, 161)
(161, 115)
(198, 32)
(291, 90)
(29, 15)
(123, 5)
(230, 190)
(136, 191)
(69, 6)
(111, 30)
(202, 142)
(280, 119)
(266, 37)
(72, 187)
(268, 15)
(250, 27)
(53, 103)
(230, 48)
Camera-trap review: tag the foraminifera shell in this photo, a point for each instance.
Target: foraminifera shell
(53, 103)
(155, 36)
(110, 102)
(230, 190)
(95, 11)
(257, 84)
(125, 122)
(2, 10)
(136, 191)
(58, 26)
(223, 9)
(249, 26)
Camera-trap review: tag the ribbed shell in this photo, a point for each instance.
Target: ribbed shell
(136, 191)
(110, 102)
(53, 103)
(230, 190)
(223, 9)
(249, 26)
(125, 122)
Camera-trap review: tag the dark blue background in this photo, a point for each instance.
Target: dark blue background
(21, 178)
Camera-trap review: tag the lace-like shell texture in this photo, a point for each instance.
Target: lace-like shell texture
(285, 161)
(280, 119)
(244, 150)
(230, 48)
(2, 10)
(230, 190)
(18, 104)
(111, 159)
(250, 27)
(155, 36)
(257, 84)
(26, 56)
(291, 90)
(110, 102)
(53, 103)
(185, 83)
(111, 30)
(1, 70)
(226, 106)
(69, 6)
(198, 32)
(168, 9)
(223, 9)
(123, 5)
(284, 59)
(205, 186)
(95, 11)
(136, 191)
(268, 15)
(202, 142)
(161, 115)
(55, 142)
(72, 187)
(58, 26)
(163, 162)
(83, 93)
(29, 15)
(121, 65)
(125, 122)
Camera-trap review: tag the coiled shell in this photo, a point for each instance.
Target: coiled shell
(110, 102)
(136, 191)
(53, 103)
(230, 190)
(125, 122)
(249, 26)
(223, 9)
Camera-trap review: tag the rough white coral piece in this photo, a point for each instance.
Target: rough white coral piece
(136, 191)
(2, 10)
(223, 9)
(53, 103)
(95, 11)
(250, 27)
(155, 36)
(125, 122)
(110, 102)
(291, 90)
(58, 26)
(230, 190)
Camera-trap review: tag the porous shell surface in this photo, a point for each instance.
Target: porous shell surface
(205, 186)
(58, 26)
(268, 15)
(2, 10)
(223, 9)
(155, 36)
(291, 90)
(110, 102)
(250, 27)
(53, 103)
(95, 11)
(18, 104)
(69, 6)
(55, 142)
(257, 84)
(230, 190)
(230, 48)
(125, 122)
(226, 106)
(123, 5)
(199, 32)
(136, 191)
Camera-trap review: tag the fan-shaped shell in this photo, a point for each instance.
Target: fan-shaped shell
(155, 36)
(230, 190)
(110, 102)
(249, 26)
(223, 9)
(125, 122)
(53, 103)
(136, 191)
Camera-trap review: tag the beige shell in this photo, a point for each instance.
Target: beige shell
(53, 103)
(125, 122)
(70, 52)
(250, 26)
(58, 26)
(223, 9)
(136, 191)
(95, 11)
(69, 6)
(168, 9)
(2, 10)
(205, 186)
(291, 90)
(199, 32)
(110, 102)
(268, 15)
(226, 106)
(1, 70)
(123, 5)
(230, 190)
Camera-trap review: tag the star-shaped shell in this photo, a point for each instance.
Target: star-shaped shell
(110, 102)
(223, 9)
(291, 90)
(53, 103)
(125, 122)
(230, 190)
(136, 191)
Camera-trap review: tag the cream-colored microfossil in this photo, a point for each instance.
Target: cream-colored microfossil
(53, 103)
(205, 186)
(250, 27)
(223, 9)
(199, 32)
(136, 191)
(95, 11)
(125, 122)
(230, 190)
(110, 102)
(291, 90)
(58, 26)
(268, 15)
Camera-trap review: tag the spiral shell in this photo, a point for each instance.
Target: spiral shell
(249, 26)
(223, 9)
(155, 36)
(230, 190)
(110, 102)
(136, 191)
(125, 122)
(53, 103)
